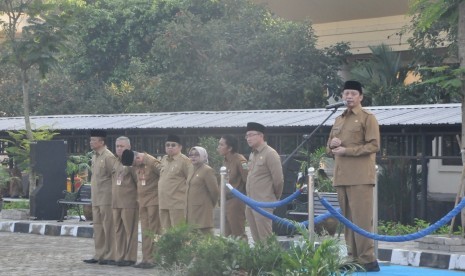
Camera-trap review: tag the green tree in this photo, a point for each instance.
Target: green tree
(382, 76)
(430, 20)
(448, 17)
(235, 55)
(37, 43)
(174, 55)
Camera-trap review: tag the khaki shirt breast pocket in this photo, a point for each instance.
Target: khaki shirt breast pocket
(356, 133)
(260, 162)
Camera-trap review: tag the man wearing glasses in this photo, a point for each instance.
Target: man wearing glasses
(172, 187)
(265, 180)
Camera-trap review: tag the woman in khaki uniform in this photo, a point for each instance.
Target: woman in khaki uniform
(237, 169)
(202, 192)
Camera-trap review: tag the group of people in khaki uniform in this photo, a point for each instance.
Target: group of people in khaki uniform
(131, 186)
(179, 188)
(116, 203)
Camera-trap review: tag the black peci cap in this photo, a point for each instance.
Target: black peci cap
(353, 85)
(127, 158)
(173, 138)
(98, 133)
(255, 126)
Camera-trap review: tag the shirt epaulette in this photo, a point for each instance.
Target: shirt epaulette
(367, 111)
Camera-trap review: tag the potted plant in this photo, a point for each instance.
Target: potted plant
(4, 181)
(322, 181)
(78, 169)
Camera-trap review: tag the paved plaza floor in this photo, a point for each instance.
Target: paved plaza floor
(29, 254)
(29, 247)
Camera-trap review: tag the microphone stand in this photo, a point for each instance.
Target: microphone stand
(307, 137)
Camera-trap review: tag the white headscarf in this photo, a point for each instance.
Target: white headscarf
(203, 155)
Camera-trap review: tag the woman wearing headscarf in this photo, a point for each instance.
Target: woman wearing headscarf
(202, 192)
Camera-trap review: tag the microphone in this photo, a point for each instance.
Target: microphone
(336, 105)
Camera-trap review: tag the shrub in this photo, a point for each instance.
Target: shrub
(176, 246)
(392, 228)
(325, 258)
(184, 251)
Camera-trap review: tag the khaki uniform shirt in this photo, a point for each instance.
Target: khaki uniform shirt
(265, 179)
(358, 131)
(202, 196)
(102, 166)
(237, 169)
(148, 175)
(124, 187)
(172, 185)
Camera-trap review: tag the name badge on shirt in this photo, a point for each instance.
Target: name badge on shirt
(142, 182)
(118, 181)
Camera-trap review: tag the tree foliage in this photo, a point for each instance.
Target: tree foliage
(234, 55)
(35, 45)
(435, 28)
(175, 55)
(435, 61)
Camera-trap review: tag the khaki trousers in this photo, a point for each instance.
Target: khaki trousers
(104, 233)
(171, 217)
(356, 203)
(260, 226)
(150, 226)
(126, 233)
(235, 218)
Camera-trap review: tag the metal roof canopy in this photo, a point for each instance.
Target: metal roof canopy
(403, 115)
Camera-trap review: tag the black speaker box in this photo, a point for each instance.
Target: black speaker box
(48, 162)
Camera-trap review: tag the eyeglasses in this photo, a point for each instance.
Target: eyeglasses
(172, 145)
(250, 135)
(352, 93)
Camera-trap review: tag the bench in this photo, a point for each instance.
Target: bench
(299, 211)
(75, 200)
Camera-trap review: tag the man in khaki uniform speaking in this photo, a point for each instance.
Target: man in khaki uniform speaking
(172, 187)
(103, 161)
(264, 182)
(147, 169)
(354, 141)
(125, 207)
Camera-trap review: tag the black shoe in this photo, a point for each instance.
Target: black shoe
(106, 262)
(125, 263)
(144, 265)
(350, 268)
(90, 261)
(371, 267)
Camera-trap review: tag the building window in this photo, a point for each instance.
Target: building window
(450, 147)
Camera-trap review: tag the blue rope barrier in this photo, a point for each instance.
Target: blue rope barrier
(286, 222)
(275, 204)
(408, 237)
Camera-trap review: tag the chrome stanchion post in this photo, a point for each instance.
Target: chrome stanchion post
(223, 173)
(311, 211)
(375, 210)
